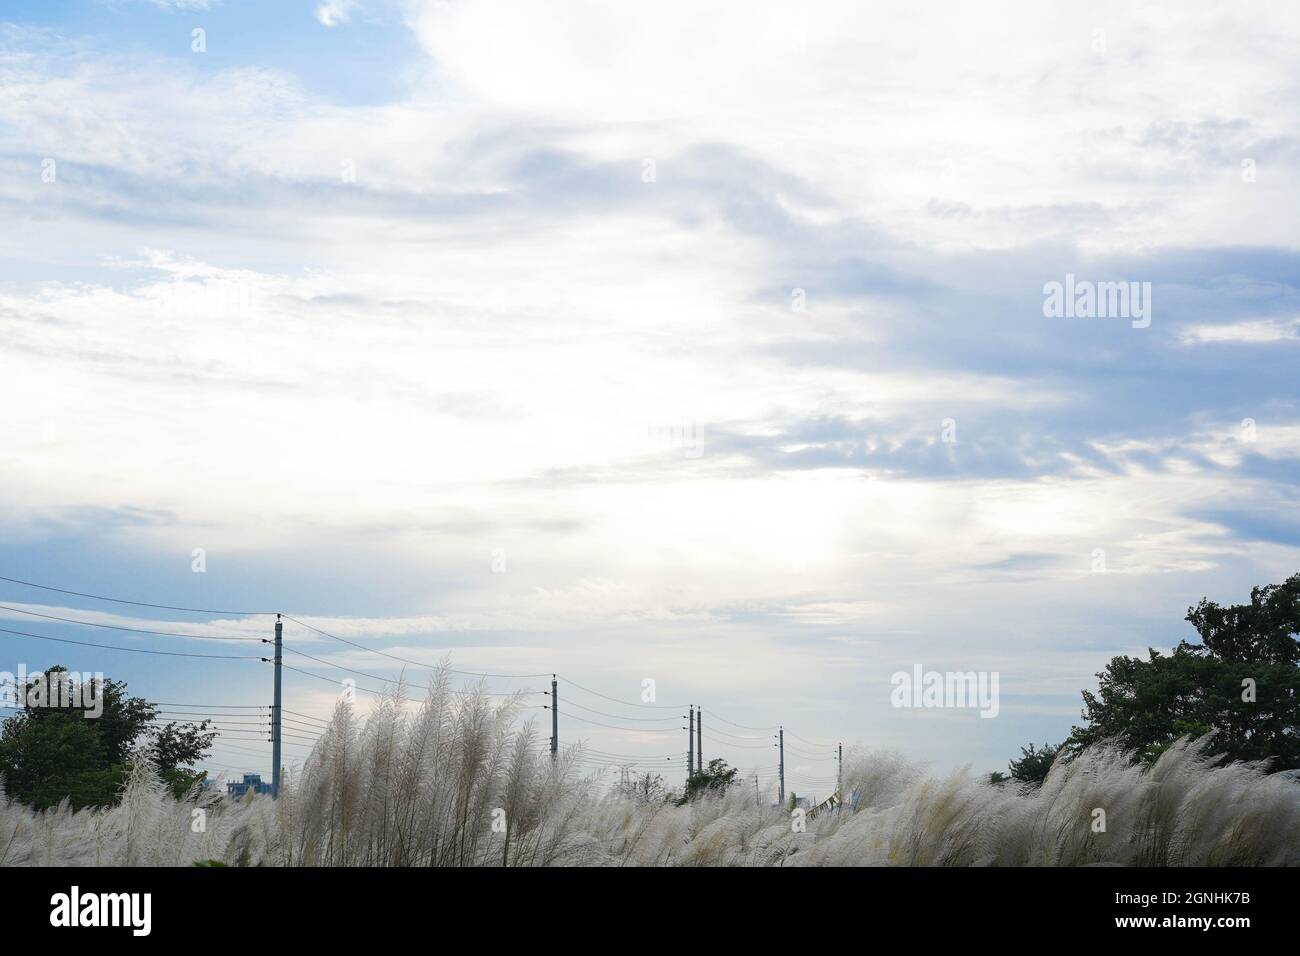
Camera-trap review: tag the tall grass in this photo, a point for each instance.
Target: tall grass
(462, 781)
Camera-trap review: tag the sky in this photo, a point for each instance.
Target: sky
(700, 343)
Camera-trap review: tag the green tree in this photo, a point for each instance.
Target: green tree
(1033, 765)
(58, 748)
(715, 778)
(1240, 683)
(177, 745)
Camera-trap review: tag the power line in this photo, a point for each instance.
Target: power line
(825, 759)
(350, 670)
(571, 703)
(293, 736)
(306, 723)
(353, 670)
(308, 716)
(626, 703)
(631, 730)
(301, 725)
(329, 680)
(725, 743)
(372, 650)
(381, 693)
(716, 716)
(133, 650)
(118, 627)
(161, 607)
(236, 749)
(731, 736)
(634, 758)
(163, 703)
(811, 743)
(197, 713)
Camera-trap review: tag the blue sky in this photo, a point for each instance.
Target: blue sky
(622, 343)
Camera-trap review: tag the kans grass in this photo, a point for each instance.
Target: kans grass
(424, 787)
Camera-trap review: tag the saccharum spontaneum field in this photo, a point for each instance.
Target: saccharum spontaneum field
(461, 781)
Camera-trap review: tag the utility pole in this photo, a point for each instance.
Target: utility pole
(839, 774)
(690, 744)
(275, 712)
(757, 802)
(699, 739)
(781, 765)
(555, 718)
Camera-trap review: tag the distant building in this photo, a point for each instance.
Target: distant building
(251, 781)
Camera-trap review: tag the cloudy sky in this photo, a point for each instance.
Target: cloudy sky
(699, 342)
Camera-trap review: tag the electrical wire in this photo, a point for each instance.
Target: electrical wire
(717, 716)
(626, 703)
(631, 730)
(372, 650)
(133, 650)
(812, 743)
(118, 627)
(823, 759)
(290, 735)
(305, 716)
(352, 670)
(574, 703)
(722, 733)
(724, 743)
(330, 680)
(170, 704)
(160, 607)
(720, 738)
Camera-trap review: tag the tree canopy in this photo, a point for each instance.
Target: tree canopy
(1033, 764)
(60, 749)
(1239, 683)
(715, 778)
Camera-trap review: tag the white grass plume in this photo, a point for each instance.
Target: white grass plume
(460, 781)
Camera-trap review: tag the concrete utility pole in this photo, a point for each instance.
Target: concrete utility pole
(839, 775)
(757, 802)
(690, 743)
(555, 717)
(275, 712)
(781, 765)
(699, 739)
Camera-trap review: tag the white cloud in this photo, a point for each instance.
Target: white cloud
(1251, 332)
(988, 124)
(480, 342)
(334, 12)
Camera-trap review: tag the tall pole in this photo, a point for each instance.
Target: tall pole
(555, 717)
(839, 774)
(690, 744)
(781, 765)
(699, 739)
(756, 800)
(275, 712)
